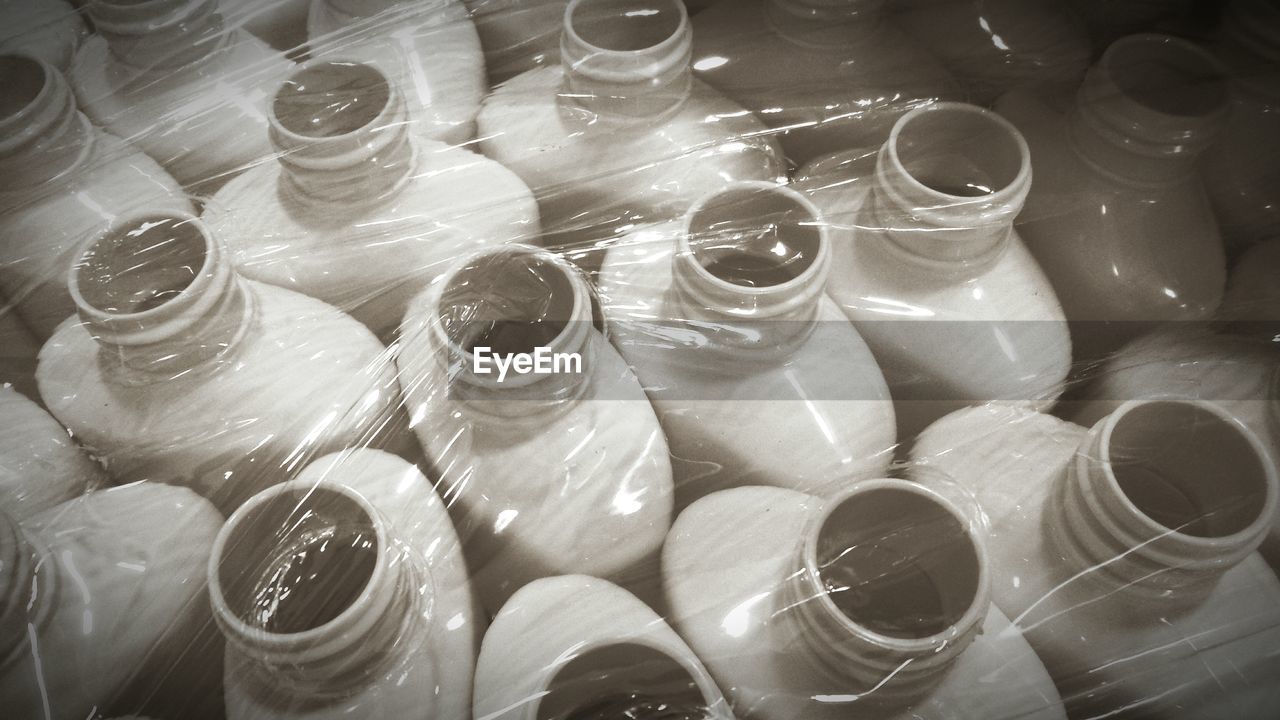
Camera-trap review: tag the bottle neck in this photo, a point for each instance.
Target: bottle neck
(1148, 109)
(750, 267)
(159, 35)
(626, 64)
(309, 584)
(891, 587)
(42, 134)
(159, 296)
(948, 184)
(1162, 498)
(342, 133)
(1249, 42)
(512, 301)
(28, 589)
(824, 23)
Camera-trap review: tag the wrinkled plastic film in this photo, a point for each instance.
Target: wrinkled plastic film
(639, 359)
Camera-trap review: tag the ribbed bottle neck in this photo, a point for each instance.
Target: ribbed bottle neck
(509, 300)
(948, 184)
(342, 133)
(891, 586)
(750, 267)
(310, 584)
(43, 136)
(1162, 498)
(1148, 109)
(160, 297)
(824, 23)
(28, 589)
(159, 35)
(626, 62)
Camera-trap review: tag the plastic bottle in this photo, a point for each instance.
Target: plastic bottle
(1118, 217)
(18, 350)
(429, 50)
(61, 181)
(929, 268)
(173, 80)
(993, 46)
(873, 603)
(100, 598)
(1242, 174)
(49, 30)
(756, 375)
(548, 473)
(40, 465)
(282, 24)
(578, 647)
(827, 75)
(518, 35)
(1125, 553)
(179, 370)
(358, 212)
(621, 134)
(343, 593)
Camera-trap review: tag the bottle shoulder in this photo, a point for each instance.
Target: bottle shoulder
(40, 465)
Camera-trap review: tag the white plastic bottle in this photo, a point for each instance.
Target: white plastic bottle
(40, 464)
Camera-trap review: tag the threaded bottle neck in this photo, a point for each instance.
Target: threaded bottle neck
(43, 135)
(751, 264)
(625, 61)
(308, 583)
(510, 301)
(158, 294)
(823, 23)
(28, 589)
(1163, 497)
(342, 133)
(949, 182)
(891, 588)
(1148, 109)
(159, 35)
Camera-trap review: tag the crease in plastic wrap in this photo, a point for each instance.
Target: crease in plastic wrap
(639, 359)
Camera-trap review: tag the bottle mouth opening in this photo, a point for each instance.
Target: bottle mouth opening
(624, 26)
(960, 153)
(1189, 470)
(142, 265)
(331, 99)
(755, 237)
(900, 563)
(294, 561)
(511, 302)
(23, 80)
(1166, 75)
(624, 680)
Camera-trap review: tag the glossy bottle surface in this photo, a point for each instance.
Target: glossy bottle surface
(180, 371)
(547, 474)
(171, 78)
(40, 465)
(826, 75)
(1123, 553)
(344, 593)
(756, 375)
(993, 46)
(621, 134)
(358, 212)
(61, 181)
(50, 30)
(429, 50)
(576, 647)
(105, 596)
(876, 622)
(1117, 217)
(928, 266)
(518, 35)
(1242, 173)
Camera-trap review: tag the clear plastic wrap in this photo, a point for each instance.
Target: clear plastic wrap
(639, 359)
